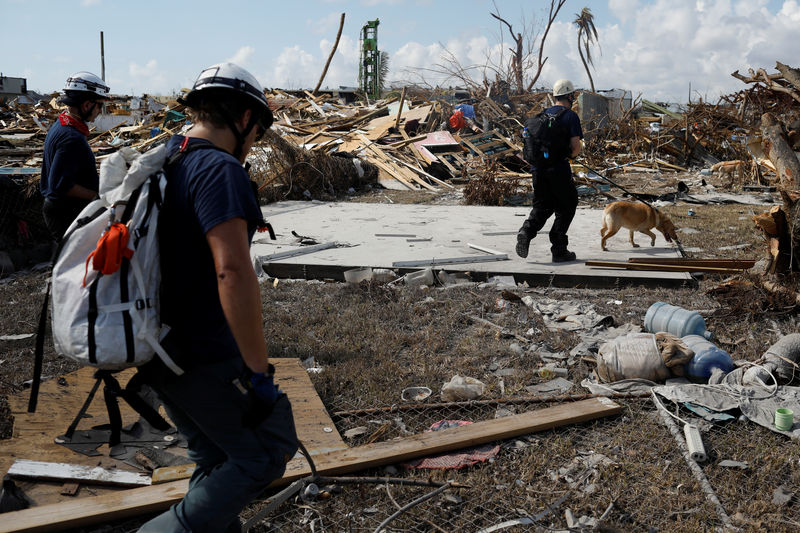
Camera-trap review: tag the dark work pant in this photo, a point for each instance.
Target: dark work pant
(235, 461)
(59, 214)
(554, 192)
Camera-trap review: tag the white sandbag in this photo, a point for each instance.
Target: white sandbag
(630, 356)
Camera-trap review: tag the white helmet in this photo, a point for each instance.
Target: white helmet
(229, 76)
(93, 87)
(563, 87)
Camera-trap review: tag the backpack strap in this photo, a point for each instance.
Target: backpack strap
(38, 354)
(558, 113)
(111, 392)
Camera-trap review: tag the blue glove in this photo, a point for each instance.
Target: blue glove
(264, 386)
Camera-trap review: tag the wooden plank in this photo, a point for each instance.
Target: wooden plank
(303, 250)
(400, 109)
(718, 263)
(171, 473)
(93, 510)
(393, 169)
(69, 472)
(662, 268)
(393, 172)
(423, 173)
(450, 261)
(70, 489)
(409, 140)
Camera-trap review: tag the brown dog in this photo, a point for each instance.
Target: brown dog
(635, 216)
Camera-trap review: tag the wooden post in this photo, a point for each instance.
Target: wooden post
(330, 57)
(102, 58)
(400, 109)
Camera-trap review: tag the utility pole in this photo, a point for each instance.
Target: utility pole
(102, 58)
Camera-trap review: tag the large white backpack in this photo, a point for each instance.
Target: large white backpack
(111, 320)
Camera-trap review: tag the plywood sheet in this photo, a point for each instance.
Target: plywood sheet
(60, 400)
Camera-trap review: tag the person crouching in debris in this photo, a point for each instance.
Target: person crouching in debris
(238, 424)
(69, 172)
(551, 137)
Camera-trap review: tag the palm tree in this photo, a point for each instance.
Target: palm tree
(383, 70)
(587, 35)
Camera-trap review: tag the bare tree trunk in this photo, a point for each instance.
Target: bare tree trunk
(781, 225)
(580, 51)
(330, 57)
(777, 149)
(517, 63)
(776, 232)
(554, 9)
(516, 54)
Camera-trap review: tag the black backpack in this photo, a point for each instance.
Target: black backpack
(547, 142)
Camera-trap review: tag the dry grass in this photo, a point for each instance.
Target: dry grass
(373, 341)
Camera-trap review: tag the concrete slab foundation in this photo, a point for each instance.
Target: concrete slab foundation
(379, 235)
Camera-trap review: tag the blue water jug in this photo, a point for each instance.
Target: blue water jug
(707, 357)
(675, 320)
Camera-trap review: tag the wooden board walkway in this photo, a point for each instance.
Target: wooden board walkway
(60, 399)
(87, 511)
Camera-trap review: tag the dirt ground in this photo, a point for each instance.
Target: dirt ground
(372, 340)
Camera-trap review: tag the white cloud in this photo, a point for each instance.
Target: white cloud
(89, 3)
(143, 78)
(656, 47)
(325, 25)
(790, 10)
(242, 55)
(293, 69)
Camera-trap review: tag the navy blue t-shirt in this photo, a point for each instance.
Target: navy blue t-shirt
(207, 187)
(571, 124)
(68, 160)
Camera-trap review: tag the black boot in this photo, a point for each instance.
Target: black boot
(523, 243)
(563, 256)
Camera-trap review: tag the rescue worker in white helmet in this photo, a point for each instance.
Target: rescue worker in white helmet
(69, 178)
(554, 190)
(238, 424)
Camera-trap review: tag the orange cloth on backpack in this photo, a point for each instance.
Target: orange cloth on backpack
(111, 248)
(457, 121)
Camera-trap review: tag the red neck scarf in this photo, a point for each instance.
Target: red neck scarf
(68, 120)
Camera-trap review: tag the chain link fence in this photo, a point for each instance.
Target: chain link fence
(623, 473)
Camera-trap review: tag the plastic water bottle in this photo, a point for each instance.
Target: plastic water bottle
(707, 357)
(675, 320)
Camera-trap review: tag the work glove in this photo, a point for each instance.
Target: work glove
(264, 386)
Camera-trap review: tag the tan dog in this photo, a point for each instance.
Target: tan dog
(729, 168)
(635, 216)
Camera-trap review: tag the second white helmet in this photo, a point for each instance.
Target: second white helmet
(563, 87)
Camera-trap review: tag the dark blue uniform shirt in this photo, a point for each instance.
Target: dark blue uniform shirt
(67, 161)
(206, 188)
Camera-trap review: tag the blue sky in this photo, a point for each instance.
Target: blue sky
(654, 47)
